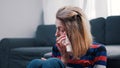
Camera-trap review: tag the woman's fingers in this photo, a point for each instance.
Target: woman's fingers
(60, 46)
(59, 38)
(61, 41)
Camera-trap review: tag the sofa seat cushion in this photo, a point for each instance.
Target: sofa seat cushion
(113, 52)
(21, 56)
(31, 51)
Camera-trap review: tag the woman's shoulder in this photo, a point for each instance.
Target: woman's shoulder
(99, 52)
(97, 46)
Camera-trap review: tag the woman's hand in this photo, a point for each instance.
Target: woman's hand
(61, 45)
(60, 42)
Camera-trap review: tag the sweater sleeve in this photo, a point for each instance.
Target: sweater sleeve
(55, 52)
(100, 56)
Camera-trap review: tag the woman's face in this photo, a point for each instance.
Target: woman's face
(60, 29)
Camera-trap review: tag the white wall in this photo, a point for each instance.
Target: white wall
(50, 8)
(101, 8)
(19, 18)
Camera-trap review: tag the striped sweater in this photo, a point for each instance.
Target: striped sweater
(96, 55)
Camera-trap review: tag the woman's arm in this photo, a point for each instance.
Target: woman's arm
(64, 58)
(100, 59)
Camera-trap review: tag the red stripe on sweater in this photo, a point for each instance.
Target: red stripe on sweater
(102, 58)
(82, 62)
(95, 46)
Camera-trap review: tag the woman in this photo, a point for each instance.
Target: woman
(74, 45)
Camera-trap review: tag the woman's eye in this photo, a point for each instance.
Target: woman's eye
(62, 30)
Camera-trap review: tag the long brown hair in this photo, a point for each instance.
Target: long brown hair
(77, 28)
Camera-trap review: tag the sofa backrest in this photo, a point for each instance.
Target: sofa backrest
(112, 30)
(98, 29)
(45, 35)
(105, 31)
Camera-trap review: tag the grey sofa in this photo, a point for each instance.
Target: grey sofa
(107, 32)
(17, 52)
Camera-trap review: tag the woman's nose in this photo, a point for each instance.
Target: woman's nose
(57, 34)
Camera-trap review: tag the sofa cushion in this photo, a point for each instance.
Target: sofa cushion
(31, 51)
(112, 30)
(113, 53)
(20, 57)
(98, 29)
(45, 35)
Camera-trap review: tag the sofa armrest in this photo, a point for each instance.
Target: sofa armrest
(17, 42)
(7, 44)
